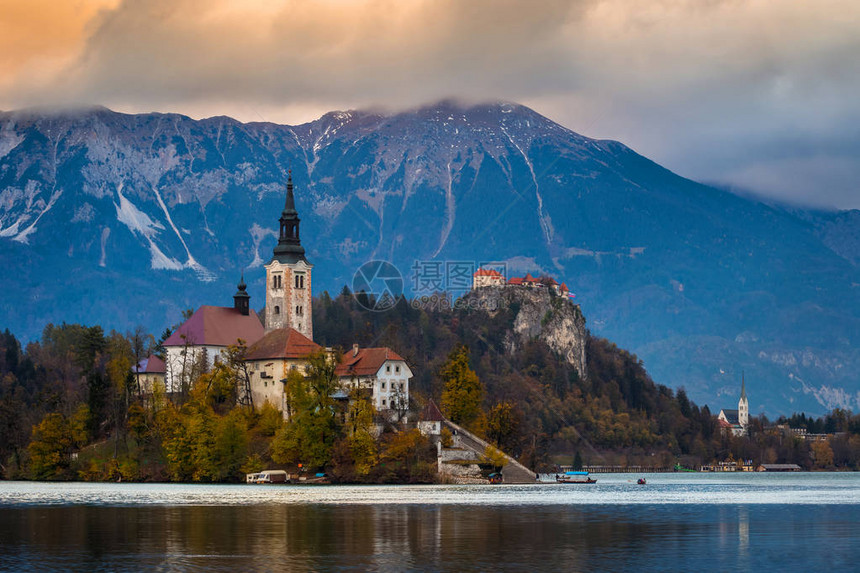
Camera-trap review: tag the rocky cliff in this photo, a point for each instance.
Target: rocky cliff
(539, 314)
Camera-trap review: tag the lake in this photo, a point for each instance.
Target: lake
(676, 522)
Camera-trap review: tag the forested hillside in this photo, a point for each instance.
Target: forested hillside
(70, 409)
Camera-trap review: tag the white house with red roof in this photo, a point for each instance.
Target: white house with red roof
(380, 370)
(487, 277)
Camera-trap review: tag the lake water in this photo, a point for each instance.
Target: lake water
(677, 522)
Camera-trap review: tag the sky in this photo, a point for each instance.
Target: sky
(762, 96)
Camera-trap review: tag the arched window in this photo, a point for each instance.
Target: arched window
(277, 310)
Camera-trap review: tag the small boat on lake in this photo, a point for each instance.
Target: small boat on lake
(268, 476)
(641, 481)
(574, 477)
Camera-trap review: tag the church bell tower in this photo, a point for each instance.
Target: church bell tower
(288, 275)
(743, 405)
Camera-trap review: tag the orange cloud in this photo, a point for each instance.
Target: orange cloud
(45, 32)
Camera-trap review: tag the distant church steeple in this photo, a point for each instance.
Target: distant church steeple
(288, 274)
(743, 404)
(242, 300)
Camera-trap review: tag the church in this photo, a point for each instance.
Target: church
(280, 340)
(736, 421)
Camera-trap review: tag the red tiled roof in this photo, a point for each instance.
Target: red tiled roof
(564, 286)
(282, 343)
(522, 280)
(367, 362)
(431, 413)
(487, 273)
(151, 365)
(217, 326)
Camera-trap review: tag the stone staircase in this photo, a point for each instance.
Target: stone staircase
(512, 472)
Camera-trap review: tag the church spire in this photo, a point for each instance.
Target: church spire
(289, 248)
(743, 387)
(290, 205)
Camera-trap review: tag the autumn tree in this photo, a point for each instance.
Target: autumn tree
(463, 391)
(494, 457)
(50, 448)
(823, 454)
(119, 372)
(408, 457)
(503, 422)
(313, 427)
(359, 433)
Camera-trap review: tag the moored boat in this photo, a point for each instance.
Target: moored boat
(574, 477)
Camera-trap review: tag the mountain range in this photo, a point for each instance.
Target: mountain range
(120, 220)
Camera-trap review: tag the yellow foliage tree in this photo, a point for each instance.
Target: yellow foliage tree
(50, 448)
(463, 391)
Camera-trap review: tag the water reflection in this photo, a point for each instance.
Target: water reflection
(310, 537)
(743, 534)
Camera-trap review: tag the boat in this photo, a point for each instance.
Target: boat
(268, 476)
(574, 477)
(641, 481)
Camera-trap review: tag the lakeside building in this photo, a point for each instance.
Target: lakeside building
(202, 340)
(271, 359)
(736, 421)
(381, 371)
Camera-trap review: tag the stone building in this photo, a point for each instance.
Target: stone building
(288, 275)
(272, 359)
(487, 277)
